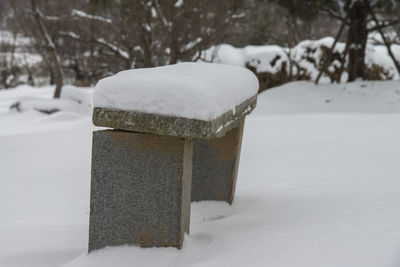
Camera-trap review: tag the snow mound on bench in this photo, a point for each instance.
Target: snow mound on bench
(201, 91)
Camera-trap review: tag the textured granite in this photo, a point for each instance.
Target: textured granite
(215, 166)
(173, 126)
(140, 189)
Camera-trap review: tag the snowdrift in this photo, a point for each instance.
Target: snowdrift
(73, 99)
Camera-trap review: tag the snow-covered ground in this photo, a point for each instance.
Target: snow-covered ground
(318, 185)
(305, 97)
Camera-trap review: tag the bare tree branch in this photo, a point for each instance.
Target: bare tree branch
(384, 25)
(333, 15)
(329, 56)
(387, 44)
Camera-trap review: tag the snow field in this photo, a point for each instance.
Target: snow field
(318, 185)
(355, 97)
(318, 191)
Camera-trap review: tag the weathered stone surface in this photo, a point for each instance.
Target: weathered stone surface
(140, 189)
(215, 166)
(173, 126)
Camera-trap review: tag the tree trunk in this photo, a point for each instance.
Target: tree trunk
(79, 76)
(51, 49)
(357, 39)
(31, 81)
(387, 44)
(51, 75)
(3, 79)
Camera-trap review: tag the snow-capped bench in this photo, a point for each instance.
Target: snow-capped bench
(164, 118)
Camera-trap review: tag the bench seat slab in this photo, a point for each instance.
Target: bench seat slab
(173, 126)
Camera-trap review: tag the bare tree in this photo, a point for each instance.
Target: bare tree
(8, 66)
(50, 47)
(359, 14)
(153, 32)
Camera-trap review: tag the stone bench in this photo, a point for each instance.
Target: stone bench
(176, 138)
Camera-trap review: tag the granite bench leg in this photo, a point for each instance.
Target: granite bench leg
(215, 166)
(140, 189)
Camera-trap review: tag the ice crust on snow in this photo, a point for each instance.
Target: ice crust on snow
(201, 91)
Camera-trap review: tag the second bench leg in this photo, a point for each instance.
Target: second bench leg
(215, 166)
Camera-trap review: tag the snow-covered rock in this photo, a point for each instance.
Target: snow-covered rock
(266, 58)
(270, 58)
